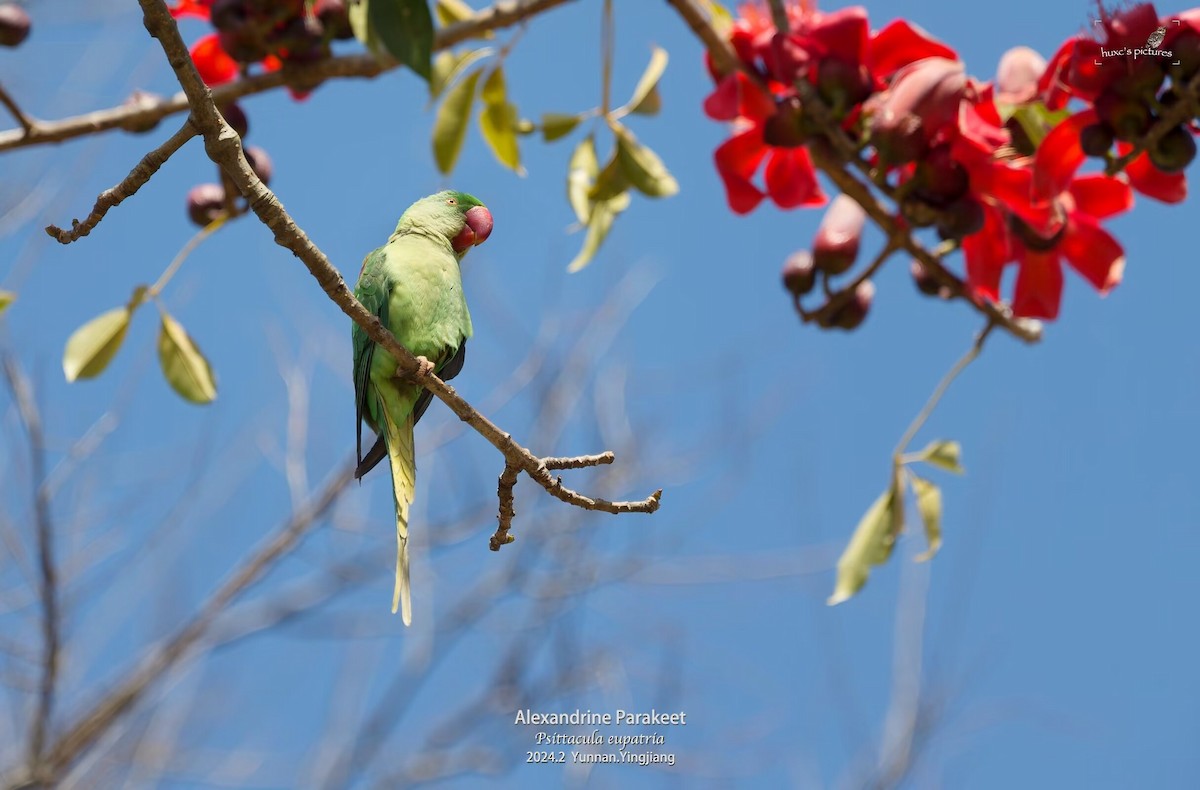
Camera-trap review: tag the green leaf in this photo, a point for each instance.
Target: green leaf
(92, 346)
(449, 66)
(642, 167)
(405, 27)
(598, 226)
(183, 365)
(870, 545)
(929, 503)
(944, 454)
(360, 23)
(450, 124)
(646, 100)
(556, 125)
(611, 181)
(498, 122)
(581, 174)
(1037, 120)
(451, 11)
(6, 298)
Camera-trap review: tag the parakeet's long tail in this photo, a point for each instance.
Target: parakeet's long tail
(404, 483)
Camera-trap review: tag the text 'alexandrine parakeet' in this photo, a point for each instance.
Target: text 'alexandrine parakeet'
(414, 286)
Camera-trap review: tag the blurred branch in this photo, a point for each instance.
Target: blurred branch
(125, 694)
(51, 621)
(503, 14)
(128, 187)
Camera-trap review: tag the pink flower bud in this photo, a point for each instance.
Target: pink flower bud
(835, 246)
(1018, 75)
(923, 98)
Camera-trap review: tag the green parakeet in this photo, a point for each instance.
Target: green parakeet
(414, 286)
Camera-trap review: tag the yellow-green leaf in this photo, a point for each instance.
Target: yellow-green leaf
(361, 26)
(451, 11)
(646, 100)
(450, 125)
(92, 346)
(556, 125)
(642, 167)
(944, 454)
(871, 544)
(6, 298)
(449, 66)
(498, 121)
(599, 224)
(611, 181)
(581, 174)
(929, 504)
(719, 16)
(183, 365)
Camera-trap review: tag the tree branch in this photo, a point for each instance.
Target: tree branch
(47, 571)
(90, 726)
(504, 13)
(128, 187)
(27, 123)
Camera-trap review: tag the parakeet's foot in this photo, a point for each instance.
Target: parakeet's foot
(424, 370)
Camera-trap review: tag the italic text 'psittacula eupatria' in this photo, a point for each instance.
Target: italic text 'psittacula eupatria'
(414, 286)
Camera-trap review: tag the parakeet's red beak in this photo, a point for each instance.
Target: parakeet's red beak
(476, 231)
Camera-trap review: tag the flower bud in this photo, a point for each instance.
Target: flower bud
(1174, 151)
(926, 283)
(835, 246)
(854, 312)
(960, 219)
(923, 98)
(1018, 75)
(799, 274)
(235, 116)
(260, 163)
(785, 128)
(1096, 139)
(14, 25)
(141, 99)
(940, 180)
(335, 17)
(205, 202)
(1129, 118)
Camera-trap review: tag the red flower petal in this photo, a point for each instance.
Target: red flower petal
(1093, 252)
(1039, 285)
(901, 43)
(194, 8)
(987, 252)
(791, 180)
(843, 32)
(1059, 156)
(1052, 86)
(1152, 182)
(213, 63)
(737, 97)
(271, 63)
(1101, 196)
(737, 159)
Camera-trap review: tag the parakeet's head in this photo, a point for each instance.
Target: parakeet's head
(460, 217)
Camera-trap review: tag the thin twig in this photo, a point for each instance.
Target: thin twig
(27, 124)
(124, 695)
(129, 186)
(942, 386)
(47, 571)
(504, 491)
(579, 461)
(181, 256)
(503, 14)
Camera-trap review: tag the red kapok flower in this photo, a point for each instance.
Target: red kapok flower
(214, 63)
(200, 9)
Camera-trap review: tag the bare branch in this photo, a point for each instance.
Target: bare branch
(503, 14)
(125, 694)
(504, 491)
(27, 123)
(47, 571)
(724, 58)
(129, 186)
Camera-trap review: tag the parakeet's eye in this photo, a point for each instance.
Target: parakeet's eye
(451, 202)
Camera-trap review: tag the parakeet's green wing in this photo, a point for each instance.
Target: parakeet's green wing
(373, 290)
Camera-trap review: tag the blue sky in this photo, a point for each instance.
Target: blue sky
(1055, 628)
